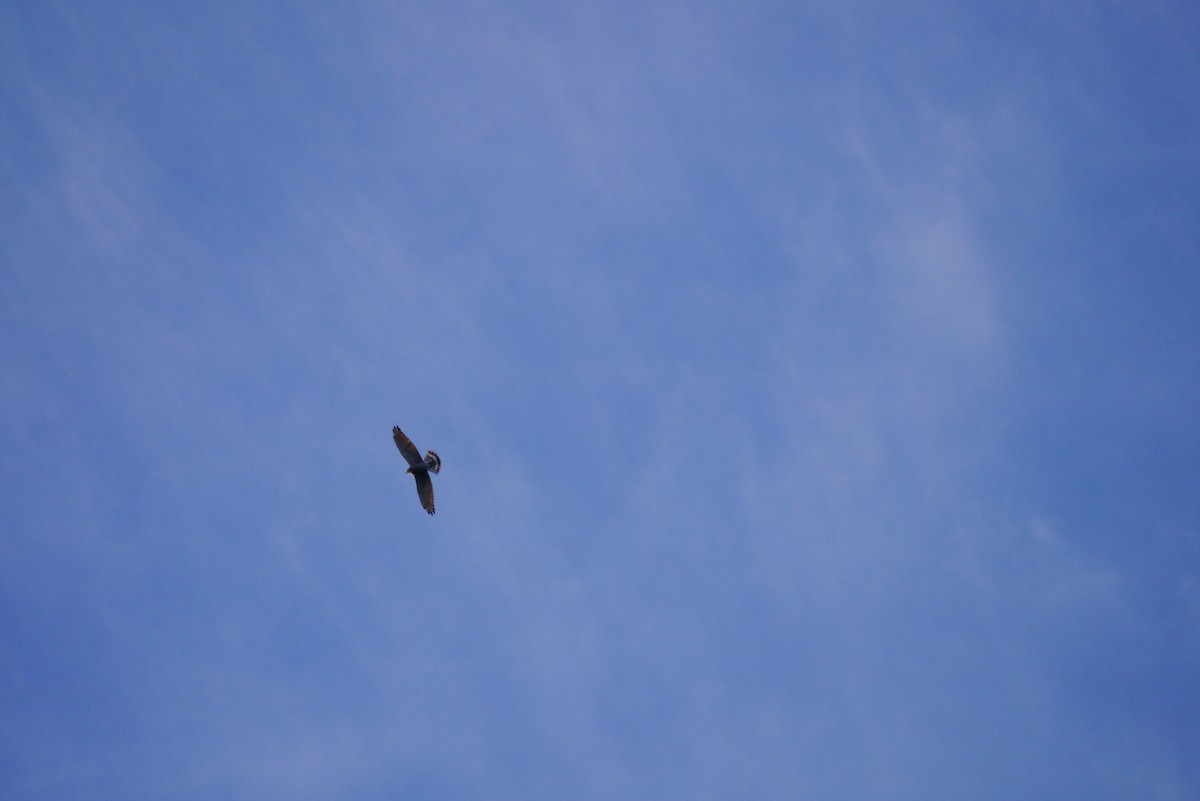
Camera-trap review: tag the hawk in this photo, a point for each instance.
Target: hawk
(420, 468)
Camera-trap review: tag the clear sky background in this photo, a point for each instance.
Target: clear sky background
(817, 386)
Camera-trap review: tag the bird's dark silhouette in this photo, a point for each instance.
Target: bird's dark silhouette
(420, 468)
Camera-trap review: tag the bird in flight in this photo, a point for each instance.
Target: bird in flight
(420, 468)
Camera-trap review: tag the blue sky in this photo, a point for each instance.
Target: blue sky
(816, 385)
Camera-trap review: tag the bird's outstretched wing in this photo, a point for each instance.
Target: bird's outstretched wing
(425, 490)
(407, 449)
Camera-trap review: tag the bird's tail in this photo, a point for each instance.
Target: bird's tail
(434, 461)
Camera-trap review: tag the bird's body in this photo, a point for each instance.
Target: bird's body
(430, 464)
(418, 467)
